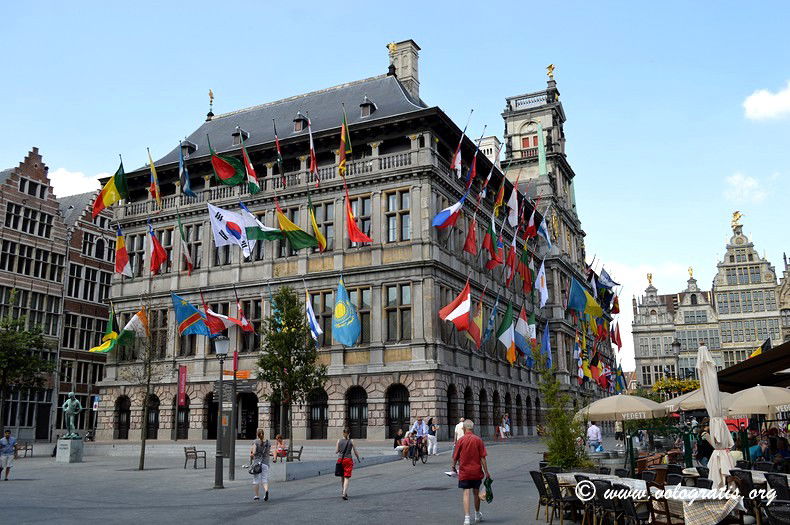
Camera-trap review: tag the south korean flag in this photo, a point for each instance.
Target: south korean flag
(228, 227)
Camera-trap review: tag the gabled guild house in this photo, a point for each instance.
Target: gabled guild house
(407, 361)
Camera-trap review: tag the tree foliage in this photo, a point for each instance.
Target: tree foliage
(289, 358)
(674, 386)
(20, 365)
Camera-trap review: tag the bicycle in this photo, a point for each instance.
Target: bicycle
(420, 452)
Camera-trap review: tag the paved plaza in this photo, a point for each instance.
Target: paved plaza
(107, 489)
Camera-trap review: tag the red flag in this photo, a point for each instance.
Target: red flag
(214, 324)
(616, 336)
(532, 228)
(472, 171)
(245, 325)
(354, 233)
(616, 305)
(511, 261)
(457, 311)
(182, 385)
(470, 245)
(474, 330)
(158, 253)
(603, 379)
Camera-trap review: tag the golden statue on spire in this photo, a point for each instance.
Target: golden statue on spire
(210, 97)
(393, 47)
(736, 219)
(691, 272)
(650, 279)
(550, 71)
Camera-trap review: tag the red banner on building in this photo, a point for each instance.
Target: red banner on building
(235, 360)
(182, 385)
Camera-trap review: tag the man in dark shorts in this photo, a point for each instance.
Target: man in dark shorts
(470, 452)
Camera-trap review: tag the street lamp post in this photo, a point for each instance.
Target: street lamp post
(676, 353)
(221, 345)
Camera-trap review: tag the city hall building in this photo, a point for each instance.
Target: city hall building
(408, 363)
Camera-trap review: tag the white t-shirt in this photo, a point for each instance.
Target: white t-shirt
(594, 433)
(459, 430)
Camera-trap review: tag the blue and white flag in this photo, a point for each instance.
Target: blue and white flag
(543, 231)
(312, 322)
(183, 174)
(545, 345)
(606, 281)
(448, 216)
(491, 322)
(346, 327)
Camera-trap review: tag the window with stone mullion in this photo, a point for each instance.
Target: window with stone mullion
(323, 306)
(251, 341)
(361, 206)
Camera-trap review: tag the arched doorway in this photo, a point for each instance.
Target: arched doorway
(210, 419)
(496, 410)
(318, 414)
(528, 404)
(519, 416)
(469, 403)
(123, 415)
(357, 412)
(483, 402)
(398, 409)
(452, 407)
(247, 406)
(152, 425)
(182, 418)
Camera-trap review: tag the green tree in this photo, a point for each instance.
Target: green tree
(562, 428)
(289, 358)
(20, 365)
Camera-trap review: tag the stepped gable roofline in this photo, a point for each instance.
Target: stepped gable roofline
(323, 108)
(73, 207)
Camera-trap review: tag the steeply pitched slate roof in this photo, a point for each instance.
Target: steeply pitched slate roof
(74, 206)
(323, 107)
(4, 174)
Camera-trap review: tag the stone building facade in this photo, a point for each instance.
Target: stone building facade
(735, 317)
(407, 362)
(784, 301)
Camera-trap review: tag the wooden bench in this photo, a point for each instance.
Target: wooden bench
(25, 447)
(295, 455)
(194, 454)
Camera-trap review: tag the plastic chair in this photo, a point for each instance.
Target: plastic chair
(778, 512)
(703, 483)
(629, 512)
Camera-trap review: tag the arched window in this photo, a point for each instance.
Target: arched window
(530, 415)
(318, 413)
(496, 409)
(182, 418)
(123, 415)
(357, 412)
(98, 250)
(694, 299)
(398, 409)
(152, 425)
(452, 407)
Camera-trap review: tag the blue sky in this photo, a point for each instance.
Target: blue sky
(663, 146)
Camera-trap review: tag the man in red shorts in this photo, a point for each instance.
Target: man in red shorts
(470, 452)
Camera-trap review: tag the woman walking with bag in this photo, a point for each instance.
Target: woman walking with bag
(259, 465)
(345, 464)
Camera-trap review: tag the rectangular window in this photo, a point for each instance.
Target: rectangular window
(136, 249)
(25, 260)
(770, 300)
(158, 327)
(361, 207)
(253, 311)
(89, 287)
(218, 308)
(66, 371)
(70, 329)
(731, 276)
(398, 215)
(165, 237)
(743, 275)
(397, 313)
(759, 301)
(222, 255)
(647, 379)
(194, 238)
(746, 301)
(360, 298)
(75, 281)
(88, 242)
(187, 345)
(323, 305)
(754, 274)
(13, 215)
(762, 329)
(283, 248)
(105, 284)
(735, 303)
(325, 218)
(8, 256)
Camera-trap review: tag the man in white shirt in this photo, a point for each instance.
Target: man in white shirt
(459, 431)
(593, 436)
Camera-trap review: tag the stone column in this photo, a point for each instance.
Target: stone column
(374, 147)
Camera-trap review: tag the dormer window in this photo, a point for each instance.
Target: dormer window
(238, 134)
(300, 122)
(367, 107)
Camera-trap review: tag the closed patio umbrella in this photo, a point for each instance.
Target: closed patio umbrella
(718, 435)
(620, 407)
(760, 400)
(693, 400)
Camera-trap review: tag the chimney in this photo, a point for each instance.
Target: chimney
(405, 56)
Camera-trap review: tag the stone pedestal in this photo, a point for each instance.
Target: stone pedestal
(69, 451)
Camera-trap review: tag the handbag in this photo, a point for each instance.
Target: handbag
(339, 464)
(256, 468)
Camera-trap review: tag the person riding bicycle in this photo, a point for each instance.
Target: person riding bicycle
(420, 428)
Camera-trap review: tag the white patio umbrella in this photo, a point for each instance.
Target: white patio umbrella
(693, 400)
(760, 400)
(718, 435)
(620, 407)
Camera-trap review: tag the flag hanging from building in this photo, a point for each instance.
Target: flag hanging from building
(540, 284)
(346, 327)
(189, 320)
(532, 331)
(606, 281)
(319, 237)
(521, 333)
(491, 321)
(354, 233)
(532, 228)
(297, 237)
(244, 323)
(500, 197)
(345, 145)
(545, 345)
(312, 321)
(506, 334)
(470, 244)
(184, 246)
(122, 264)
(136, 327)
(313, 161)
(226, 168)
(183, 174)
(511, 260)
(455, 164)
(252, 179)
(218, 322)
(110, 337)
(512, 204)
(158, 253)
(112, 192)
(279, 154)
(615, 337)
(255, 229)
(498, 257)
(543, 231)
(524, 271)
(448, 216)
(474, 330)
(488, 239)
(457, 312)
(762, 348)
(153, 187)
(470, 176)
(581, 301)
(228, 227)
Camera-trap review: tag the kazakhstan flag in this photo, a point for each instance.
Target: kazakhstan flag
(345, 321)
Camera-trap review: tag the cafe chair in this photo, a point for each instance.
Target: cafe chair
(560, 503)
(543, 493)
(703, 483)
(778, 482)
(778, 512)
(630, 514)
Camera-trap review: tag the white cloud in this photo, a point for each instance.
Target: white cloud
(763, 105)
(67, 182)
(742, 188)
(668, 277)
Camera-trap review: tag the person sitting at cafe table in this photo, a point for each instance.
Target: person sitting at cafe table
(736, 452)
(758, 451)
(704, 449)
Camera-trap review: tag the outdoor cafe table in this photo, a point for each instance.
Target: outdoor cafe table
(758, 476)
(702, 511)
(568, 479)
